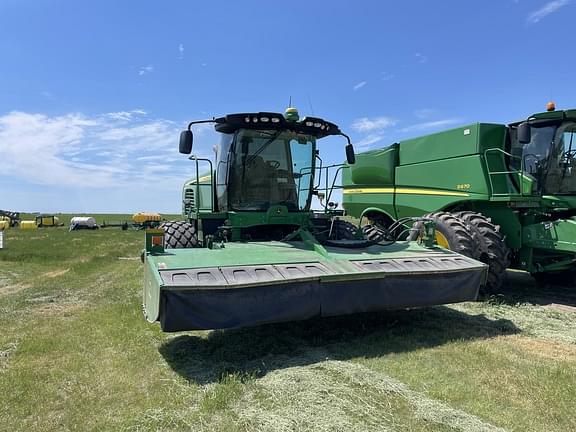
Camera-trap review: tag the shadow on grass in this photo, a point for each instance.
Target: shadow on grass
(257, 350)
(520, 287)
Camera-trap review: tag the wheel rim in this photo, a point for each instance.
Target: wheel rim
(441, 240)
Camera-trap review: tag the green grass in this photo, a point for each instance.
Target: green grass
(77, 354)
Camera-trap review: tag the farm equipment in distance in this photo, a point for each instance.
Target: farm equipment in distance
(503, 194)
(47, 221)
(251, 250)
(11, 218)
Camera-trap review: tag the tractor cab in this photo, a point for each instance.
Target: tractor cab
(544, 149)
(264, 168)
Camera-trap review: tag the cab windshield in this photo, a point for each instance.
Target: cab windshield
(549, 158)
(271, 168)
(560, 166)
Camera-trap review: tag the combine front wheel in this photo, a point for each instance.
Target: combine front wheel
(493, 249)
(451, 233)
(179, 235)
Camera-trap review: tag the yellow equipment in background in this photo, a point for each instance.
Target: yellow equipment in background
(4, 224)
(28, 225)
(141, 217)
(47, 220)
(143, 220)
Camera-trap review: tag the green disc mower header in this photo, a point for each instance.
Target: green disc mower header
(511, 187)
(252, 251)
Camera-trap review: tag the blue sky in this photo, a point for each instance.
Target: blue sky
(93, 94)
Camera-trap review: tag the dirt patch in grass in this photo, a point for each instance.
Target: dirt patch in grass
(56, 273)
(551, 349)
(13, 289)
(59, 309)
(562, 307)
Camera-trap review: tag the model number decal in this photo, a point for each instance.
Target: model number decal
(463, 186)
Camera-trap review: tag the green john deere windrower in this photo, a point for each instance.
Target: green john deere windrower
(503, 194)
(251, 250)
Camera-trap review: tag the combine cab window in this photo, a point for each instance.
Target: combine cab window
(560, 177)
(269, 168)
(549, 158)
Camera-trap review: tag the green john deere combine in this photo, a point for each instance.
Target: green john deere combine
(504, 194)
(252, 251)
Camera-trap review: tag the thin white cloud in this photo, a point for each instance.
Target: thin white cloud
(145, 70)
(181, 51)
(421, 58)
(549, 8)
(424, 113)
(359, 85)
(387, 76)
(126, 115)
(366, 124)
(425, 126)
(369, 141)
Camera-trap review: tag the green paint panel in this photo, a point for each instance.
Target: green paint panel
(376, 166)
(442, 145)
(418, 204)
(558, 236)
(356, 203)
(259, 253)
(460, 174)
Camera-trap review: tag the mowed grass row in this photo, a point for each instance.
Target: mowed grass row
(76, 354)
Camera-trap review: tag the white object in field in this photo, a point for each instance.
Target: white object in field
(1, 239)
(86, 222)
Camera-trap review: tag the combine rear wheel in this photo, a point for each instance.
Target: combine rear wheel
(179, 235)
(451, 233)
(493, 249)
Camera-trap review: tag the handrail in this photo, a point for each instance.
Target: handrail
(519, 173)
(197, 199)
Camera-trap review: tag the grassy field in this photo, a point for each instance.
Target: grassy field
(76, 354)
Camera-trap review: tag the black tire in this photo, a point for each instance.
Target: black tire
(179, 235)
(343, 230)
(375, 233)
(492, 247)
(459, 237)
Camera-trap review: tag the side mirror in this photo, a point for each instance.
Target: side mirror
(524, 133)
(186, 139)
(350, 155)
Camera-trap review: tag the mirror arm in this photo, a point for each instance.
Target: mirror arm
(213, 120)
(346, 136)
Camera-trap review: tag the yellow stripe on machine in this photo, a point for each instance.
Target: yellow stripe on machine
(370, 190)
(408, 191)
